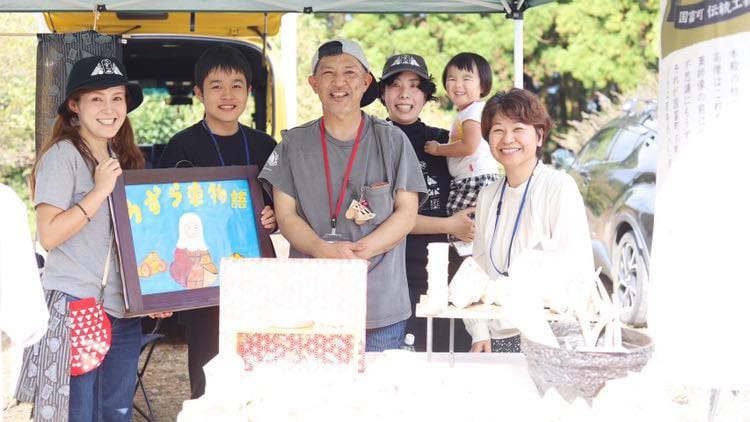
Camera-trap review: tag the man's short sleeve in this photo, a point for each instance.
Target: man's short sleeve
(408, 174)
(265, 144)
(56, 176)
(277, 173)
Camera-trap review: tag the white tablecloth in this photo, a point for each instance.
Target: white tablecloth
(403, 386)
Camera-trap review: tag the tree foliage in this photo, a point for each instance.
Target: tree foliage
(17, 90)
(310, 33)
(593, 45)
(154, 122)
(600, 43)
(581, 131)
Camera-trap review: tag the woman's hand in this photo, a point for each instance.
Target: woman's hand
(105, 176)
(431, 147)
(268, 218)
(462, 226)
(160, 315)
(483, 346)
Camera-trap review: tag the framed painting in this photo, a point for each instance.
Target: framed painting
(174, 226)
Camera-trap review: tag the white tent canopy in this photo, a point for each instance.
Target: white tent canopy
(301, 6)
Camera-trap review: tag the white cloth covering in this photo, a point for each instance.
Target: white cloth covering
(553, 215)
(23, 311)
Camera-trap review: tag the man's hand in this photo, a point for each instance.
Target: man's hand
(462, 226)
(484, 346)
(268, 218)
(339, 250)
(431, 147)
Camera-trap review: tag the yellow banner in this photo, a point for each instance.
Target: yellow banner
(689, 22)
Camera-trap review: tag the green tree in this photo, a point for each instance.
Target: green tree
(311, 31)
(18, 70)
(154, 121)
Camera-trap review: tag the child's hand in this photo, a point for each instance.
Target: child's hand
(431, 147)
(483, 346)
(268, 218)
(462, 226)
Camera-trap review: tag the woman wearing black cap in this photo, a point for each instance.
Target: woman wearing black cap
(91, 142)
(405, 87)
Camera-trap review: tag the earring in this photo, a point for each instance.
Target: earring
(74, 121)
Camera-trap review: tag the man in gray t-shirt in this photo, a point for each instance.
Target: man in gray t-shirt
(320, 167)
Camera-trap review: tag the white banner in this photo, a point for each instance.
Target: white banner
(700, 284)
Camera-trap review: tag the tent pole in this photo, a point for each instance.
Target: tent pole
(518, 53)
(265, 35)
(289, 66)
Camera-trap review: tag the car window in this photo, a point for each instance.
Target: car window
(623, 145)
(596, 149)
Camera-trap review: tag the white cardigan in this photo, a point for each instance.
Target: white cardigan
(553, 213)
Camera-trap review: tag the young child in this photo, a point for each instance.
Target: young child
(222, 80)
(467, 78)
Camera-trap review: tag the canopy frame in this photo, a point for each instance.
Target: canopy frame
(284, 6)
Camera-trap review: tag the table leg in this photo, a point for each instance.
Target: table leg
(429, 339)
(451, 341)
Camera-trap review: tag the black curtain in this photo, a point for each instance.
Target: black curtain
(55, 55)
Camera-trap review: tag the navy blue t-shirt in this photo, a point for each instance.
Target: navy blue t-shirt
(438, 180)
(193, 147)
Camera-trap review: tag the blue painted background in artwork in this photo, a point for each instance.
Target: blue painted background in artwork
(227, 228)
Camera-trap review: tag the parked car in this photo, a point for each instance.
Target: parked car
(616, 174)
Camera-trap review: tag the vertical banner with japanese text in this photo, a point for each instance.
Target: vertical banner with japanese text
(700, 284)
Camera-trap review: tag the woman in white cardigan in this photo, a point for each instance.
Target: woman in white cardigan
(532, 205)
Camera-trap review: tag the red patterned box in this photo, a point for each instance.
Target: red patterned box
(300, 348)
(294, 312)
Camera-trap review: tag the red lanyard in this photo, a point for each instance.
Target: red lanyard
(352, 156)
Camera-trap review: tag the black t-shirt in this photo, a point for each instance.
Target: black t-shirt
(193, 147)
(438, 180)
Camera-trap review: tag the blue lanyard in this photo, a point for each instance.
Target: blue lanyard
(216, 144)
(515, 226)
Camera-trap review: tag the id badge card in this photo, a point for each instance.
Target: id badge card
(334, 237)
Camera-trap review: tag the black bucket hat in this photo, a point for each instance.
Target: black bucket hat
(100, 72)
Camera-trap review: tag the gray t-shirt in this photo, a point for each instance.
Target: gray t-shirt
(385, 163)
(76, 266)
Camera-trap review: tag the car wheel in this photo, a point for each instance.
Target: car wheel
(631, 280)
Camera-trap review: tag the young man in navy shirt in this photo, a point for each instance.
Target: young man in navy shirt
(222, 83)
